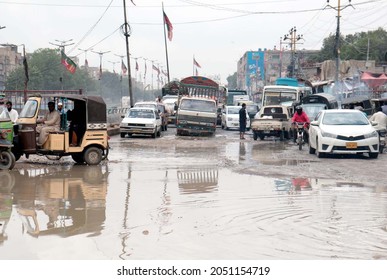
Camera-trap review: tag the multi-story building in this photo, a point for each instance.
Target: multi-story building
(10, 59)
(259, 68)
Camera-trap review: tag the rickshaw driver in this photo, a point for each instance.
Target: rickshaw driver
(51, 122)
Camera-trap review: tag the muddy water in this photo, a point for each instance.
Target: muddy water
(189, 200)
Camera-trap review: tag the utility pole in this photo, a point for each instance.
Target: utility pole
(114, 63)
(293, 38)
(337, 37)
(100, 62)
(86, 62)
(127, 31)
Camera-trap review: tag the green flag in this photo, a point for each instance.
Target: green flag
(68, 63)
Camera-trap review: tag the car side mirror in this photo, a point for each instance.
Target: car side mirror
(314, 123)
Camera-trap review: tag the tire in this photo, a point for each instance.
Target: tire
(255, 135)
(7, 160)
(381, 149)
(93, 156)
(373, 155)
(299, 140)
(312, 151)
(261, 136)
(318, 153)
(78, 157)
(123, 134)
(158, 133)
(154, 135)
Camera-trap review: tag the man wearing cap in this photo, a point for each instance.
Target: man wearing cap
(50, 122)
(62, 113)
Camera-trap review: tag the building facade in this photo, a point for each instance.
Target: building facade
(10, 59)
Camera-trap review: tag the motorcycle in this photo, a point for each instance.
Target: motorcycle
(301, 134)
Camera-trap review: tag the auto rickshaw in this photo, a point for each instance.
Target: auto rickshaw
(92, 146)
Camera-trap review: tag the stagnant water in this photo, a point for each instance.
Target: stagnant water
(185, 205)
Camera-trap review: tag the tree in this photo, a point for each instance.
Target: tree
(47, 73)
(232, 81)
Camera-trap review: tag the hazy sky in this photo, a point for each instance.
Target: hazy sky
(216, 32)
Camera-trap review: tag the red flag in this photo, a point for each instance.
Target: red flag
(156, 69)
(168, 23)
(196, 63)
(123, 67)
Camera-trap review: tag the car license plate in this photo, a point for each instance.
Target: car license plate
(351, 145)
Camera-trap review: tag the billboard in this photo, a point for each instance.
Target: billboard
(255, 69)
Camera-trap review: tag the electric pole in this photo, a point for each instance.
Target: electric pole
(293, 38)
(337, 37)
(127, 31)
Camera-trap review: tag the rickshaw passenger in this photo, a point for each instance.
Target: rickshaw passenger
(50, 122)
(77, 118)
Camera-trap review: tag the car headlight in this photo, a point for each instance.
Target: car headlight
(327, 134)
(371, 135)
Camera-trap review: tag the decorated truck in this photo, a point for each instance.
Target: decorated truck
(272, 120)
(197, 106)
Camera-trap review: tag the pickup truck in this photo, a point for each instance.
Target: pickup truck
(272, 120)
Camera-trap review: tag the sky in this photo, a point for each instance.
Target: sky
(216, 33)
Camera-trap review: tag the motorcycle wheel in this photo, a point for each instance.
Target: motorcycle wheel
(7, 160)
(300, 142)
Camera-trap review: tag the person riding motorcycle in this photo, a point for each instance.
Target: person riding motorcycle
(300, 117)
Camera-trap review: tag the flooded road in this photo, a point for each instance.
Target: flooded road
(196, 198)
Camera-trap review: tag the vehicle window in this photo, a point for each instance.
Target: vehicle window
(29, 109)
(198, 105)
(345, 119)
(234, 110)
(146, 114)
(272, 110)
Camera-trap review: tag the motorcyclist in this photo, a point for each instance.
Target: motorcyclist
(300, 117)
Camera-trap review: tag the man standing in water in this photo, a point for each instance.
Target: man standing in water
(242, 121)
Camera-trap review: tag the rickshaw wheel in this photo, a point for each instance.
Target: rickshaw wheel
(78, 157)
(93, 155)
(7, 160)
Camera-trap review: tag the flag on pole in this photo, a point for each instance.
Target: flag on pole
(68, 63)
(86, 63)
(100, 71)
(123, 67)
(197, 72)
(196, 63)
(168, 23)
(156, 69)
(136, 65)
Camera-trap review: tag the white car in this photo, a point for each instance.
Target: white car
(141, 121)
(343, 132)
(230, 118)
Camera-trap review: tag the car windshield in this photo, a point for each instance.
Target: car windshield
(345, 118)
(145, 114)
(198, 105)
(146, 105)
(29, 109)
(233, 110)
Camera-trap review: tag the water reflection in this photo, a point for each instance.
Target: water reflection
(7, 181)
(64, 203)
(200, 180)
